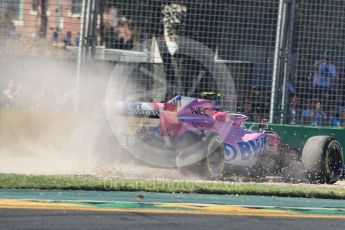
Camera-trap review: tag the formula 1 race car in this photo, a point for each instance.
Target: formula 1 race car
(202, 140)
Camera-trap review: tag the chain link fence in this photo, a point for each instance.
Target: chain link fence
(273, 60)
(316, 71)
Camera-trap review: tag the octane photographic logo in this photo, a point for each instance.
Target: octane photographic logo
(132, 86)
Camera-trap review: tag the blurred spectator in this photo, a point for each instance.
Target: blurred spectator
(7, 26)
(119, 38)
(292, 115)
(334, 120)
(324, 73)
(338, 118)
(246, 108)
(109, 35)
(9, 94)
(342, 117)
(68, 38)
(258, 104)
(291, 88)
(124, 38)
(55, 34)
(320, 116)
(77, 39)
(302, 88)
(257, 115)
(307, 115)
(314, 114)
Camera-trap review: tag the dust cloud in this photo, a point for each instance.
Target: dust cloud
(41, 132)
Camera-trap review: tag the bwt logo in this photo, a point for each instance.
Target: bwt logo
(245, 150)
(200, 111)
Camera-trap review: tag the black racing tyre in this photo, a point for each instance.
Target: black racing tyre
(322, 159)
(214, 162)
(203, 158)
(190, 152)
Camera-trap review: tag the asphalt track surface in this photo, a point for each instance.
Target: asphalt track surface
(40, 209)
(50, 219)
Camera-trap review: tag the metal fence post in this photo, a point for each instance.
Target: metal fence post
(287, 59)
(280, 34)
(81, 52)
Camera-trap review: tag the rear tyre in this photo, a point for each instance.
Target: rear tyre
(322, 159)
(204, 158)
(213, 164)
(189, 154)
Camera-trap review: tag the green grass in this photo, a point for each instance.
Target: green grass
(14, 181)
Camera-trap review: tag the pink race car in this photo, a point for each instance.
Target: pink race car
(202, 140)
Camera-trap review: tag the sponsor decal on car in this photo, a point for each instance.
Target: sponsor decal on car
(203, 124)
(143, 109)
(245, 150)
(200, 111)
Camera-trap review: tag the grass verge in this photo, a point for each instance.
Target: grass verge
(14, 181)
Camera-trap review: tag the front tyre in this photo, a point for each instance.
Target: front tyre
(322, 159)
